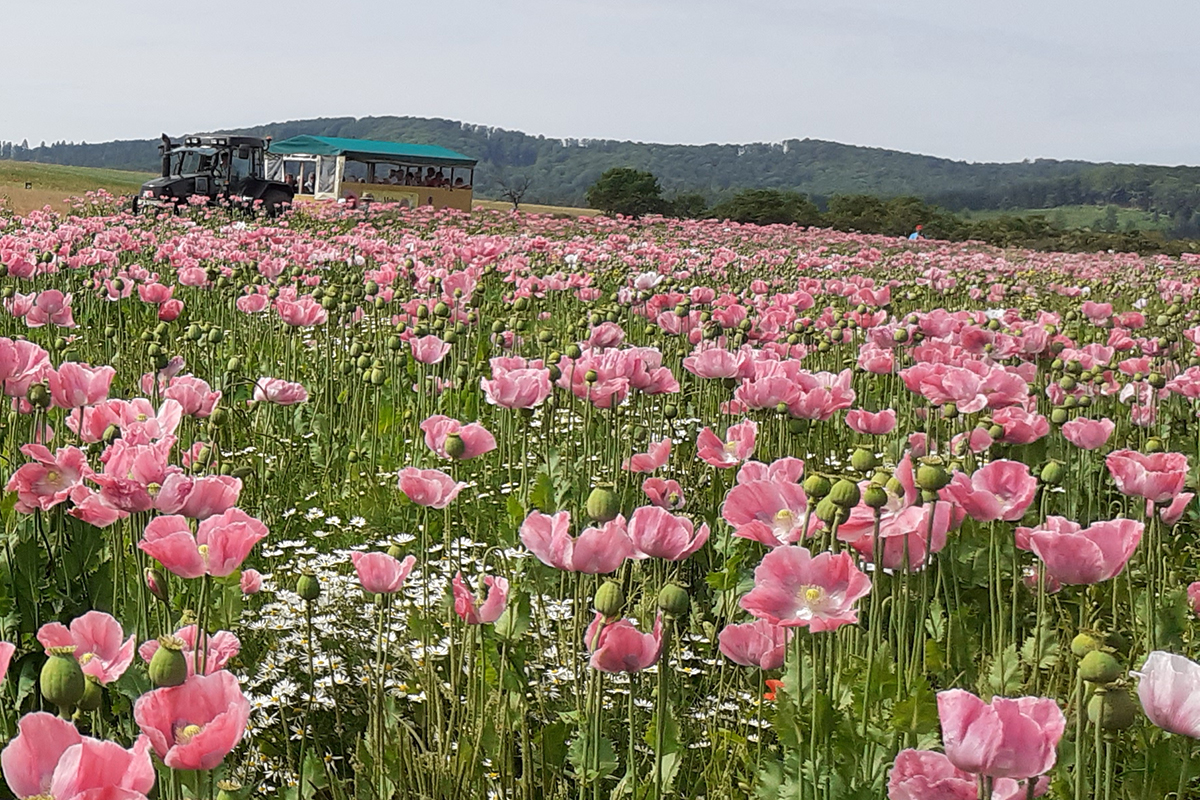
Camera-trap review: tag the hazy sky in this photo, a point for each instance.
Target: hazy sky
(970, 79)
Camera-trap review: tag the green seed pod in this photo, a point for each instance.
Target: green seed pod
(603, 505)
(216, 336)
(111, 434)
(949, 411)
(817, 486)
(62, 679)
(1156, 380)
(219, 418)
(372, 288)
(1112, 709)
(38, 396)
(829, 512)
(521, 304)
(609, 599)
(674, 601)
(234, 364)
(573, 351)
(1085, 643)
(863, 460)
(1058, 415)
(932, 476)
(377, 377)
(455, 446)
(797, 426)
(93, 694)
(875, 496)
(422, 312)
(894, 487)
(168, 665)
(1099, 667)
(555, 372)
(845, 493)
(230, 790)
(1053, 473)
(308, 587)
(670, 411)
(1154, 445)
(996, 432)
(441, 310)
(591, 376)
(395, 551)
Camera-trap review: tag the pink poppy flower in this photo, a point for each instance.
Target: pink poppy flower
(219, 547)
(155, 293)
(517, 388)
(75, 385)
(304, 312)
(606, 334)
(759, 644)
(195, 397)
(649, 461)
(1169, 688)
(929, 775)
(664, 493)
(279, 392)
(49, 758)
(977, 440)
(429, 349)
(1158, 477)
(657, 533)
(793, 588)
(1174, 512)
(6, 653)
(251, 582)
(380, 573)
(197, 498)
(1001, 490)
(480, 612)
(96, 637)
(1074, 555)
(475, 438)
(1088, 433)
(716, 362)
(767, 511)
(782, 470)
(51, 307)
(1193, 593)
(429, 487)
(196, 724)
(596, 551)
(255, 304)
(170, 310)
(222, 647)
(736, 448)
(49, 479)
(621, 647)
(1020, 426)
(1007, 738)
(862, 421)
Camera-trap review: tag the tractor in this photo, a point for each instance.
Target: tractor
(228, 168)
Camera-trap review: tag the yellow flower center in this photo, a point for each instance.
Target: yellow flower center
(153, 489)
(731, 447)
(203, 551)
(53, 475)
(812, 594)
(142, 417)
(783, 515)
(185, 733)
(86, 657)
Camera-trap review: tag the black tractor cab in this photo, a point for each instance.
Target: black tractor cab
(229, 168)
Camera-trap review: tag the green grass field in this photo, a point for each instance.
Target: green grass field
(51, 184)
(1094, 217)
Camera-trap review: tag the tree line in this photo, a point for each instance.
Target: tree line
(632, 192)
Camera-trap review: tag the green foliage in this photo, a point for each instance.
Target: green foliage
(631, 192)
(768, 207)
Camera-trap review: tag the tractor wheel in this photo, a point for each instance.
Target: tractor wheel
(275, 202)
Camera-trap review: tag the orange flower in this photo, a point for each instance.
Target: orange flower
(774, 686)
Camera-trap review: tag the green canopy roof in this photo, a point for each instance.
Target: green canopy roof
(366, 149)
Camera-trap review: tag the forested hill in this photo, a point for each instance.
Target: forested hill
(560, 171)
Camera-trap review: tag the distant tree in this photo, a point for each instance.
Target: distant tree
(688, 205)
(623, 190)
(857, 212)
(768, 207)
(513, 188)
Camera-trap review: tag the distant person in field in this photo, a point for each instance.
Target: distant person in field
(912, 237)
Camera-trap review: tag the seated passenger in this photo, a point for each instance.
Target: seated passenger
(458, 183)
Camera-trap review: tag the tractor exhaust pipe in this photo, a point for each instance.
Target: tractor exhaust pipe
(165, 150)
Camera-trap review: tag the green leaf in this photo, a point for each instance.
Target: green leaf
(516, 512)
(1004, 674)
(916, 714)
(592, 758)
(542, 495)
(1040, 650)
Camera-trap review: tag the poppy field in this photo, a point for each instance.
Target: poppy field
(396, 504)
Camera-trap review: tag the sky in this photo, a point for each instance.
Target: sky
(1099, 80)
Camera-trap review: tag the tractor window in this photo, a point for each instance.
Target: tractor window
(242, 167)
(190, 162)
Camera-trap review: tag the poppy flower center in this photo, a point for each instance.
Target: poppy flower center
(731, 447)
(52, 476)
(185, 732)
(142, 417)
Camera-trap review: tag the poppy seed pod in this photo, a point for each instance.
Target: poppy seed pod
(168, 665)
(845, 493)
(932, 476)
(1112, 709)
(1099, 667)
(308, 587)
(863, 460)
(609, 599)
(93, 695)
(1053, 473)
(1085, 643)
(817, 486)
(603, 505)
(454, 445)
(38, 396)
(62, 679)
(875, 496)
(674, 601)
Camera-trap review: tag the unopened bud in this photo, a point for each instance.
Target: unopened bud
(674, 601)
(609, 599)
